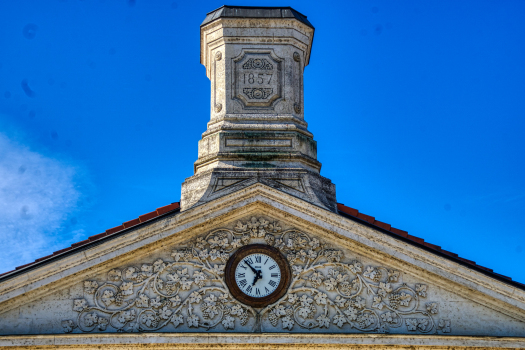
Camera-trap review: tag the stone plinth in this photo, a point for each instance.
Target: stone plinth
(255, 58)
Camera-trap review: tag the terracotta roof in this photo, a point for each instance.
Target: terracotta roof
(343, 210)
(143, 218)
(371, 221)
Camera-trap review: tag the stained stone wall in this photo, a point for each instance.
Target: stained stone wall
(181, 288)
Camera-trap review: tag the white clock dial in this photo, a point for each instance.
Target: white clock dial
(257, 275)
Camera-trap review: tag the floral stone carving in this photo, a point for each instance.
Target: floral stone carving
(328, 291)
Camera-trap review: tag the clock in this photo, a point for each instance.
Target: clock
(257, 275)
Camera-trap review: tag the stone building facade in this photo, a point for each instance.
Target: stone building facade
(167, 279)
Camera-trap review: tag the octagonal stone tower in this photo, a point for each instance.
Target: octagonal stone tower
(255, 58)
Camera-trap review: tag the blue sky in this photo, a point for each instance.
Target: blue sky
(418, 108)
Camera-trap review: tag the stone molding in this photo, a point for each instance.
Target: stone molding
(169, 341)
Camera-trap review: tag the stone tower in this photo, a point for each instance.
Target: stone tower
(255, 58)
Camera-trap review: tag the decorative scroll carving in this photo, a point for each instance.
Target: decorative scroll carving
(296, 57)
(257, 94)
(218, 107)
(257, 63)
(328, 291)
(297, 107)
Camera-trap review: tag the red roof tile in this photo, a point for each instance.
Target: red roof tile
(160, 211)
(356, 214)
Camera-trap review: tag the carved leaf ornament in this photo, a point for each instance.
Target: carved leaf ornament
(257, 63)
(258, 93)
(328, 290)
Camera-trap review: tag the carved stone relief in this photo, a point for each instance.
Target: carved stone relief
(257, 78)
(330, 291)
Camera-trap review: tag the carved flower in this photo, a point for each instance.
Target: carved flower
(90, 319)
(214, 254)
(356, 267)
(90, 286)
(240, 227)
(356, 282)
(393, 275)
(185, 283)
(270, 239)
(175, 301)
(339, 320)
(378, 302)
(279, 310)
(158, 265)
(372, 273)
(195, 297)
(216, 241)
(275, 228)
(432, 308)
(359, 302)
(211, 299)
(200, 243)
(228, 322)
(297, 269)
(219, 269)
(126, 316)
(156, 303)
(68, 326)
(279, 244)
(114, 275)
(246, 239)
(320, 298)
(352, 313)
(236, 310)
(146, 270)
(311, 254)
(333, 255)
(323, 321)
(305, 300)
(421, 290)
(444, 325)
(79, 305)
(142, 301)
(292, 298)
(204, 254)
(316, 278)
(422, 324)
(165, 313)
(102, 323)
(314, 243)
(288, 322)
(108, 297)
(384, 289)
(330, 283)
(149, 320)
(340, 302)
(176, 319)
(200, 278)
(131, 273)
(365, 319)
(411, 324)
(236, 243)
(193, 321)
(388, 317)
(178, 255)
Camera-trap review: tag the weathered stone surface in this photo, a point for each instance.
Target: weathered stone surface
(257, 130)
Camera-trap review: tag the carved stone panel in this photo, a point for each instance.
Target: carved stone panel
(330, 291)
(257, 78)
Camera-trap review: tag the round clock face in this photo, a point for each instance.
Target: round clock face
(257, 275)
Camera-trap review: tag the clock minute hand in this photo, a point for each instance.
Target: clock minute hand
(250, 266)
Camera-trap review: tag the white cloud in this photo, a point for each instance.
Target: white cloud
(37, 193)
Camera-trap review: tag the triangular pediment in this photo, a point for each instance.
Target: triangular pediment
(346, 277)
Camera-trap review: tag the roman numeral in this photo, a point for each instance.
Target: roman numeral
(266, 261)
(241, 275)
(249, 261)
(242, 283)
(249, 289)
(272, 283)
(266, 289)
(274, 275)
(273, 267)
(244, 267)
(258, 259)
(257, 291)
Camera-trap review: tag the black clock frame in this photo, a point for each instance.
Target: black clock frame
(238, 256)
